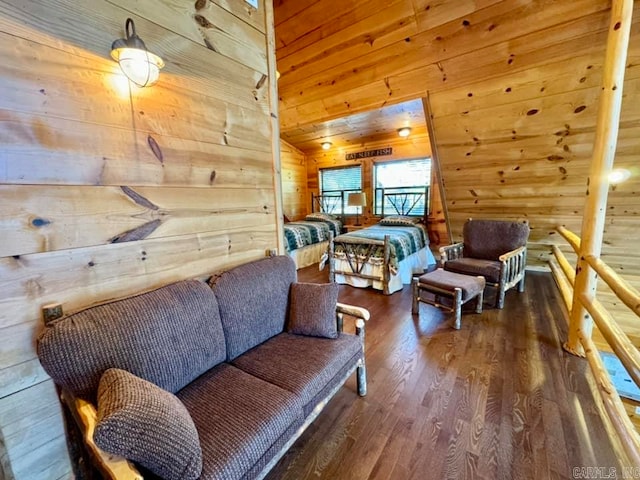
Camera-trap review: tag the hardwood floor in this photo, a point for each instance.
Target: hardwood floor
(497, 399)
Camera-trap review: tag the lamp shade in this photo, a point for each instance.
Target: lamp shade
(358, 199)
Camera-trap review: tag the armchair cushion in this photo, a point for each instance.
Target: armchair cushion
(488, 239)
(313, 309)
(144, 423)
(489, 269)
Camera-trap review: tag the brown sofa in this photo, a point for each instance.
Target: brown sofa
(223, 350)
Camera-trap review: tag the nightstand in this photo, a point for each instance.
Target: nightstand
(353, 228)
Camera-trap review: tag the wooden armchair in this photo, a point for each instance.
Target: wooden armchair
(494, 249)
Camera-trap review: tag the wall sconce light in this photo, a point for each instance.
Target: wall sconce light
(326, 145)
(404, 132)
(139, 65)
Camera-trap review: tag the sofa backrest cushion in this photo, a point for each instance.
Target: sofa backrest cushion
(254, 301)
(488, 239)
(168, 336)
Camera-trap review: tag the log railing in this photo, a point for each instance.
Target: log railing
(579, 290)
(612, 333)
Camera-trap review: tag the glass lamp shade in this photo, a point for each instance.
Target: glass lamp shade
(140, 66)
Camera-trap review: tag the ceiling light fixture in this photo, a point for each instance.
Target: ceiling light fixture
(404, 132)
(619, 175)
(139, 65)
(326, 145)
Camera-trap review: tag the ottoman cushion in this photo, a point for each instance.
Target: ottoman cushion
(470, 286)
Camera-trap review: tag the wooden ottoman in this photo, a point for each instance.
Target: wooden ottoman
(460, 288)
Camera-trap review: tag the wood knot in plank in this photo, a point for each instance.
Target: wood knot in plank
(200, 4)
(202, 21)
(40, 222)
(580, 109)
(155, 148)
(138, 233)
(260, 83)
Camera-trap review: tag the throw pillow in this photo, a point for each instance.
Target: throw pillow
(320, 216)
(148, 425)
(400, 220)
(313, 309)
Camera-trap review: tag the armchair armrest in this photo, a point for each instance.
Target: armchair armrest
(451, 252)
(111, 466)
(513, 265)
(513, 253)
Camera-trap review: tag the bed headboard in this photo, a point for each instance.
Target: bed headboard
(404, 202)
(332, 203)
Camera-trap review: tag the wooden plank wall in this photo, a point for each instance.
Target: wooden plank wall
(514, 89)
(295, 198)
(108, 190)
(416, 146)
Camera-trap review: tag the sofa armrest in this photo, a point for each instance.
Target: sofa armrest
(451, 252)
(111, 466)
(354, 311)
(361, 315)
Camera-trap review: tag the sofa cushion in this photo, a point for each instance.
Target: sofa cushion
(238, 417)
(488, 239)
(489, 269)
(146, 424)
(302, 365)
(168, 336)
(254, 301)
(313, 309)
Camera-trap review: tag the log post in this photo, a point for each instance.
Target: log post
(386, 268)
(275, 124)
(331, 259)
(598, 184)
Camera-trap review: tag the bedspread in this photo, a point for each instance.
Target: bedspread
(301, 234)
(368, 244)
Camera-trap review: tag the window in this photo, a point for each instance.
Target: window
(404, 185)
(334, 181)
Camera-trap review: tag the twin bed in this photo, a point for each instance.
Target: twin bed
(384, 256)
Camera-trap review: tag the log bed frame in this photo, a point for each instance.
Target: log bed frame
(403, 203)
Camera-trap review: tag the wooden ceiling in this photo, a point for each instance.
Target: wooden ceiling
(361, 128)
(514, 88)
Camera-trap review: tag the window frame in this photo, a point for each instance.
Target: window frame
(378, 208)
(344, 208)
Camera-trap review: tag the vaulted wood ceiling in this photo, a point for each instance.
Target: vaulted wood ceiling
(514, 88)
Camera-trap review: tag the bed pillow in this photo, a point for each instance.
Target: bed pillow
(320, 216)
(148, 425)
(397, 220)
(313, 309)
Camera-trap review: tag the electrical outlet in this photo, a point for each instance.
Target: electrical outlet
(51, 312)
(272, 252)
